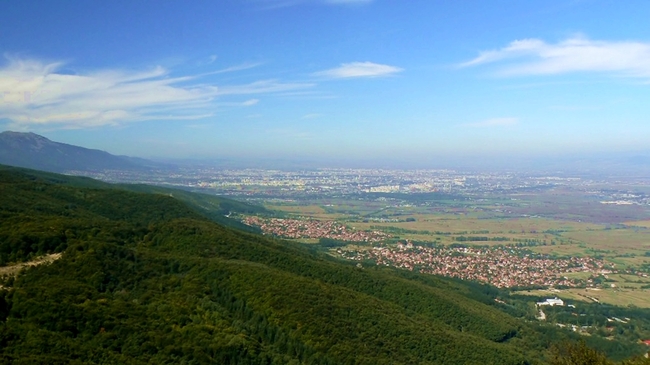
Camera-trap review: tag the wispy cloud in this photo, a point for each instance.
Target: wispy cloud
(263, 86)
(576, 54)
(249, 102)
(359, 69)
(207, 60)
(495, 122)
(244, 66)
(32, 92)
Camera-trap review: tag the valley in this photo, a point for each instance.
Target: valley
(527, 234)
(330, 273)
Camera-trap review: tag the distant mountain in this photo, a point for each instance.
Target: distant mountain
(37, 152)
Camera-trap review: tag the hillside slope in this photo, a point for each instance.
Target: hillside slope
(214, 207)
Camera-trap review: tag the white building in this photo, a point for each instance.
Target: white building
(552, 302)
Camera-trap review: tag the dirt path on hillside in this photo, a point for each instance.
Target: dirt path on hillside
(15, 268)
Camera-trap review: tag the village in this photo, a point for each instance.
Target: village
(309, 228)
(503, 267)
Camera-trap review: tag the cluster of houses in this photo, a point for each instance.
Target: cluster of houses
(301, 228)
(504, 267)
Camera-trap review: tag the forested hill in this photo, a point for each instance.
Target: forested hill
(214, 207)
(146, 279)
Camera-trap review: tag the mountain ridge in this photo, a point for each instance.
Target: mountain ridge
(34, 151)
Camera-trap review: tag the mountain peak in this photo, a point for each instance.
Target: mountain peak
(29, 135)
(16, 139)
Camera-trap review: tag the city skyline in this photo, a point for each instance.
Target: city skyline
(345, 80)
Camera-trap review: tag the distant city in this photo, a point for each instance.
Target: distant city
(279, 184)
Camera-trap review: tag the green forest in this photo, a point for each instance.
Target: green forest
(151, 275)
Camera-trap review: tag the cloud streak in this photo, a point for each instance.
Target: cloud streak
(262, 86)
(359, 69)
(34, 93)
(577, 54)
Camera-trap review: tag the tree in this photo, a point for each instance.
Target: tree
(572, 353)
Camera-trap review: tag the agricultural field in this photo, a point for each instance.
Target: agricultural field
(641, 224)
(626, 297)
(314, 211)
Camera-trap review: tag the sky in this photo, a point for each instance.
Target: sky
(337, 80)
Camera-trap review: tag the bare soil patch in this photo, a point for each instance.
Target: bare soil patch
(14, 269)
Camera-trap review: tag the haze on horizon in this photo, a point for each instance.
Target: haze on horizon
(341, 80)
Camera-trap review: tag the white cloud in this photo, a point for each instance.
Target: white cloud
(32, 92)
(577, 54)
(359, 69)
(250, 102)
(495, 122)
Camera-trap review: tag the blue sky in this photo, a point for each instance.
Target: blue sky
(352, 80)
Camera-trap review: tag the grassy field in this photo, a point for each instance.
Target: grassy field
(465, 223)
(446, 228)
(301, 210)
(643, 223)
(567, 249)
(613, 296)
(618, 241)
